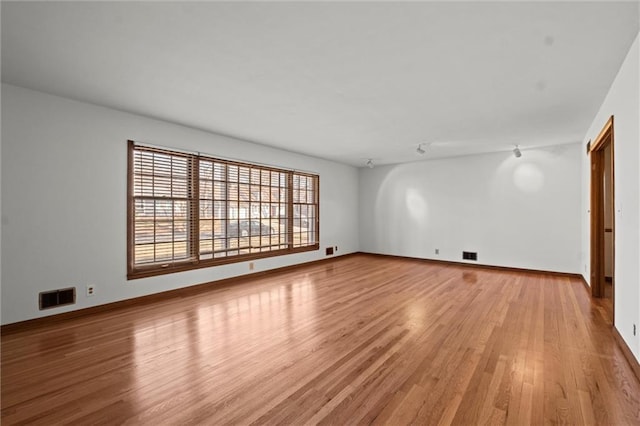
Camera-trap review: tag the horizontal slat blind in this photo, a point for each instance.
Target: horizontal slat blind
(163, 210)
(243, 209)
(305, 209)
(188, 209)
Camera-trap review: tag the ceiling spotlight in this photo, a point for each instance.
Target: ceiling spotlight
(370, 163)
(420, 150)
(516, 152)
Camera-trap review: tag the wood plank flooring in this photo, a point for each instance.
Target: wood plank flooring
(362, 339)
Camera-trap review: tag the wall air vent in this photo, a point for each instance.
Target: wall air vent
(328, 251)
(469, 255)
(55, 298)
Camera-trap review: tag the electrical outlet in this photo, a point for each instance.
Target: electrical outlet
(251, 266)
(91, 290)
(634, 329)
(336, 248)
(437, 251)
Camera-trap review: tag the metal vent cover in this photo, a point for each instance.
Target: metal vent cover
(55, 298)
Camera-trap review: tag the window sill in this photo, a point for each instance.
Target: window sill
(154, 270)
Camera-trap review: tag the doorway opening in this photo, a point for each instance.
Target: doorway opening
(603, 219)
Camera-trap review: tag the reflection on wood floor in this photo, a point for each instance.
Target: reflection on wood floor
(361, 339)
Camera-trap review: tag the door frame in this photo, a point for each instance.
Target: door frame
(596, 151)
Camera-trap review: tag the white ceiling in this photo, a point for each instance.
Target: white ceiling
(342, 81)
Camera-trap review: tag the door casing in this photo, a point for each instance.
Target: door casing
(597, 161)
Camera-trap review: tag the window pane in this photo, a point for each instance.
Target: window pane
(244, 175)
(255, 211)
(219, 228)
(206, 246)
(232, 173)
(206, 169)
(179, 188)
(219, 209)
(206, 189)
(144, 232)
(244, 210)
(180, 209)
(244, 193)
(255, 192)
(265, 178)
(304, 210)
(206, 209)
(206, 229)
(220, 244)
(162, 207)
(232, 191)
(255, 176)
(164, 231)
(219, 190)
(180, 250)
(232, 210)
(144, 253)
(219, 171)
(164, 252)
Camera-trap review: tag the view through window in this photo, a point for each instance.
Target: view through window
(188, 211)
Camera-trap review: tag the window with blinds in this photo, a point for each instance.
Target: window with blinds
(189, 211)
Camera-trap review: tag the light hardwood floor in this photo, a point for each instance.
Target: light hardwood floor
(362, 339)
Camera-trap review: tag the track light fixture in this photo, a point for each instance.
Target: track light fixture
(420, 150)
(516, 152)
(370, 163)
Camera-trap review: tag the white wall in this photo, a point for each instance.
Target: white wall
(515, 212)
(623, 102)
(1, 215)
(64, 200)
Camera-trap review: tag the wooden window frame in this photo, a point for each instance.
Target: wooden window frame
(194, 259)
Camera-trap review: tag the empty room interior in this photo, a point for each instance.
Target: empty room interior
(320, 213)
